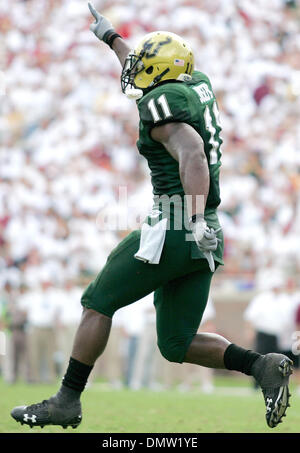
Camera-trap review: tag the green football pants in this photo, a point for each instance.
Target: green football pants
(181, 286)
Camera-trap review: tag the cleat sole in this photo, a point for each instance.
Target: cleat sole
(282, 403)
(280, 408)
(72, 422)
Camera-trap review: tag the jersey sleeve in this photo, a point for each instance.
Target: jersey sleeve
(165, 104)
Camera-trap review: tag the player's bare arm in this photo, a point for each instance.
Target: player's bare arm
(121, 49)
(186, 146)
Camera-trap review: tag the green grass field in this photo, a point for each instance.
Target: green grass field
(233, 408)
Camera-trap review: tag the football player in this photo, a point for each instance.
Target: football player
(180, 244)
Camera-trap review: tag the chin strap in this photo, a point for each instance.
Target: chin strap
(133, 93)
(184, 78)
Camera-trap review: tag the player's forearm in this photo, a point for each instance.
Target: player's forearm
(194, 176)
(186, 146)
(121, 49)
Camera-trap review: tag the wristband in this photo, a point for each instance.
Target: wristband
(110, 36)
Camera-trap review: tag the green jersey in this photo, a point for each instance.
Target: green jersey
(190, 102)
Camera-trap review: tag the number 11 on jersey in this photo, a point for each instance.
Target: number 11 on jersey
(162, 101)
(215, 144)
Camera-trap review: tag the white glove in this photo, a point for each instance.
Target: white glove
(206, 238)
(102, 27)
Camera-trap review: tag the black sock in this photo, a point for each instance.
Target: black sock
(75, 379)
(239, 359)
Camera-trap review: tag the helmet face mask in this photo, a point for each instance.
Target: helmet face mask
(132, 66)
(160, 56)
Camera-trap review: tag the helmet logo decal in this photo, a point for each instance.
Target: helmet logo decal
(148, 47)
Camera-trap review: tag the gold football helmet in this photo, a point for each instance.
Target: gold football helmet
(158, 57)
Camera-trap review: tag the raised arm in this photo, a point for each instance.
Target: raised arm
(104, 30)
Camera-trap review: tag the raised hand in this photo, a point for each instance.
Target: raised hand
(102, 27)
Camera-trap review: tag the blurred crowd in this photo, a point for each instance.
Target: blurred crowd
(68, 139)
